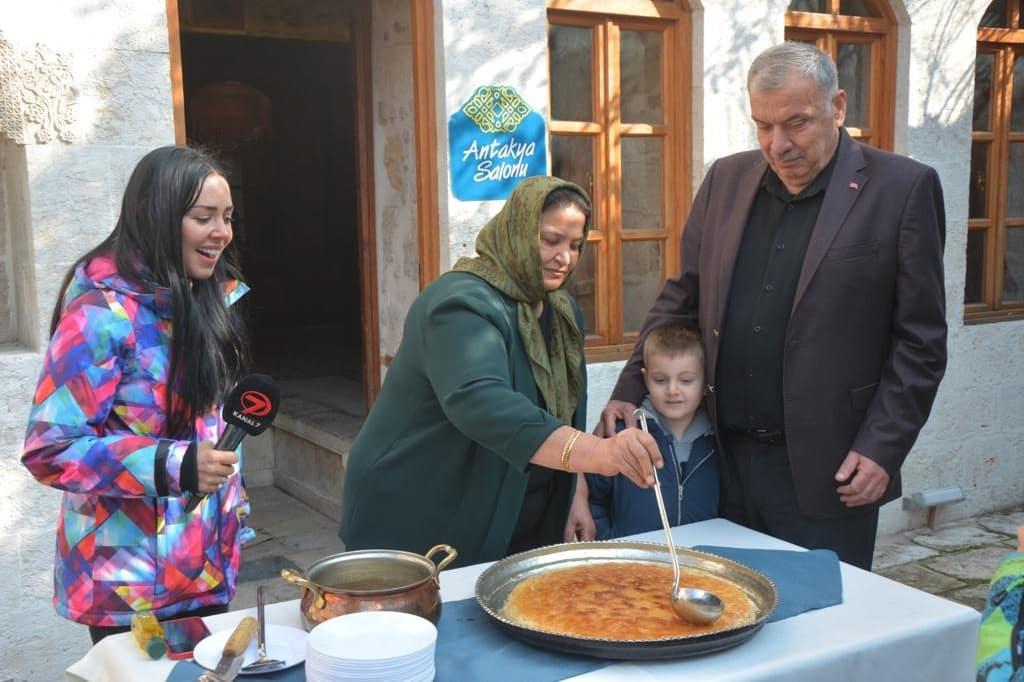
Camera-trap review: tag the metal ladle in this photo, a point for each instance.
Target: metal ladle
(693, 605)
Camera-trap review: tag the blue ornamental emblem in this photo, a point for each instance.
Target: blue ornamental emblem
(496, 109)
(495, 140)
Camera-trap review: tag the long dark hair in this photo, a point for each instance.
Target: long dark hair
(209, 348)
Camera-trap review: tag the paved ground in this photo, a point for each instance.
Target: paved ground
(288, 535)
(954, 561)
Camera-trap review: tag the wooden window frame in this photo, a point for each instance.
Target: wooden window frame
(177, 83)
(827, 30)
(1005, 45)
(606, 18)
(428, 212)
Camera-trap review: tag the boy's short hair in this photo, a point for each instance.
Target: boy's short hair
(673, 338)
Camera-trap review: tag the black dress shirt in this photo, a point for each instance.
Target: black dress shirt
(771, 254)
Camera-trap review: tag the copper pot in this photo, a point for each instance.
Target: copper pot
(371, 580)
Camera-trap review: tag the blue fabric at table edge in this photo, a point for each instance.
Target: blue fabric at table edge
(804, 580)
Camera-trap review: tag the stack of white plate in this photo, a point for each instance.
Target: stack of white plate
(371, 645)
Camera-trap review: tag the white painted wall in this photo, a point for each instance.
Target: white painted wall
(487, 42)
(975, 434)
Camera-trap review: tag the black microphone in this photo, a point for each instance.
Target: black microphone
(248, 411)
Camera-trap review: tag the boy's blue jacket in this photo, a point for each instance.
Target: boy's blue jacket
(620, 507)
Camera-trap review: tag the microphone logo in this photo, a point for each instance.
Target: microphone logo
(256, 404)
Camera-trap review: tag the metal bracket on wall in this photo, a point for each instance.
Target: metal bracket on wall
(931, 499)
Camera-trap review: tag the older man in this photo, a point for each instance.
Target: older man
(814, 270)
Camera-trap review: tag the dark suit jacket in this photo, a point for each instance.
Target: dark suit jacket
(866, 341)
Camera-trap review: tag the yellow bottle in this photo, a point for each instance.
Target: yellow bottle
(149, 634)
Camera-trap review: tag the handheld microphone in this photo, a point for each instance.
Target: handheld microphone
(248, 411)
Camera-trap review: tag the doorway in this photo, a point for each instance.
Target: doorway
(273, 95)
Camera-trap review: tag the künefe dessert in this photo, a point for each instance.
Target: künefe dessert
(620, 601)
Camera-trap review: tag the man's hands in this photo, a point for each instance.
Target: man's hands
(213, 466)
(860, 480)
(614, 410)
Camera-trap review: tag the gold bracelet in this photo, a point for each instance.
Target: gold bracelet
(567, 450)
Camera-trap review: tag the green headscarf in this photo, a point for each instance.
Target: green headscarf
(508, 258)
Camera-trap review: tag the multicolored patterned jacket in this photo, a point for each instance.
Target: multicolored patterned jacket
(1001, 639)
(96, 432)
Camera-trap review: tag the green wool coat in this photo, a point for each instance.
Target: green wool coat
(444, 454)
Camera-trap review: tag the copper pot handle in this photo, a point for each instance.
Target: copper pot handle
(298, 579)
(452, 554)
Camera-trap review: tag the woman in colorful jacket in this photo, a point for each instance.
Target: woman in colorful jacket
(1001, 640)
(479, 421)
(144, 344)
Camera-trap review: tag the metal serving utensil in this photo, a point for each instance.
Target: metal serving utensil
(693, 605)
(263, 664)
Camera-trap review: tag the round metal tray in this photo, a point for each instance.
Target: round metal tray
(497, 581)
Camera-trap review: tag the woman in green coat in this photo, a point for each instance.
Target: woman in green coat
(477, 430)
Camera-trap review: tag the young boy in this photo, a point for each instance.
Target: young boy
(674, 375)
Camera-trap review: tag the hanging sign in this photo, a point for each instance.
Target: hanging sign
(495, 140)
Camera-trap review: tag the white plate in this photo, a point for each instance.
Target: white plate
(372, 637)
(283, 642)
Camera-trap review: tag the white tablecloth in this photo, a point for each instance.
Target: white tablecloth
(882, 631)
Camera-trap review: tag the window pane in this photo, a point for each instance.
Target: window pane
(1013, 277)
(641, 281)
(641, 183)
(854, 66)
(808, 6)
(983, 64)
(1017, 117)
(978, 201)
(640, 76)
(583, 287)
(995, 15)
(857, 8)
(1015, 181)
(975, 266)
(572, 159)
(570, 55)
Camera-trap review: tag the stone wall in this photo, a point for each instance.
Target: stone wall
(394, 139)
(84, 92)
(8, 282)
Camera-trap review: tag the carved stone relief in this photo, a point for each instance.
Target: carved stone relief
(37, 94)
(10, 107)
